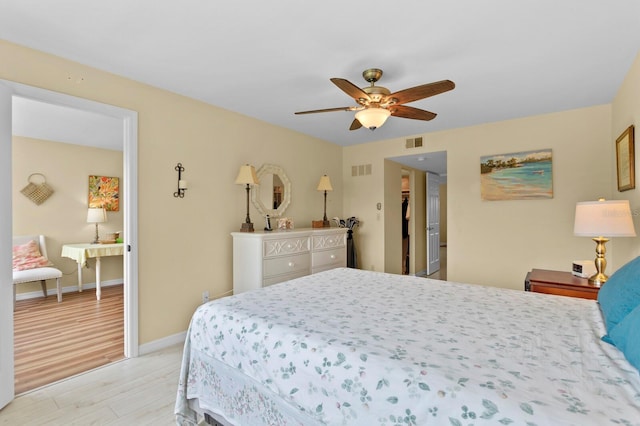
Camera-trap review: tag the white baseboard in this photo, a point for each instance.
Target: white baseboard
(159, 344)
(68, 289)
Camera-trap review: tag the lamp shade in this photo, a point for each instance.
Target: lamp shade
(96, 215)
(372, 118)
(603, 219)
(325, 184)
(247, 175)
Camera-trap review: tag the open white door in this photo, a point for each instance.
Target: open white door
(433, 223)
(6, 278)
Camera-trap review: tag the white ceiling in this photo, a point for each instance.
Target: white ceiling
(267, 60)
(56, 123)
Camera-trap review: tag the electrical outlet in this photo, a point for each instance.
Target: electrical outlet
(205, 296)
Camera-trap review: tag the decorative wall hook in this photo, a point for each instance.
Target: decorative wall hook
(182, 184)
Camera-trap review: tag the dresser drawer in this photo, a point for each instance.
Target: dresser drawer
(335, 256)
(281, 278)
(320, 242)
(286, 265)
(286, 246)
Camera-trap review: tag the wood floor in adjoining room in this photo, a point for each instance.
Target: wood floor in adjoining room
(53, 341)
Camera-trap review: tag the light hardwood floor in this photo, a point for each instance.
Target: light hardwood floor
(136, 391)
(442, 273)
(56, 340)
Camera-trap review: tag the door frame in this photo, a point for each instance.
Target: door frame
(130, 208)
(432, 210)
(6, 280)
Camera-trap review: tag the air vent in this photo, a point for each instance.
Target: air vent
(414, 142)
(361, 170)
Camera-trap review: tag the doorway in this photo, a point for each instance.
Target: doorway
(406, 217)
(129, 125)
(436, 164)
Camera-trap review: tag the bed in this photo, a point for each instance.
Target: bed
(353, 347)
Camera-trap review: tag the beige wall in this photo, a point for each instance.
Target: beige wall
(443, 214)
(185, 247)
(626, 112)
(392, 206)
(185, 244)
(62, 218)
(496, 243)
(418, 223)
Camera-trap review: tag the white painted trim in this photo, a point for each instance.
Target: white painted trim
(130, 200)
(67, 289)
(165, 342)
(6, 279)
(130, 192)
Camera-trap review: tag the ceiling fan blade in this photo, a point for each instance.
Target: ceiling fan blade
(411, 112)
(351, 89)
(355, 124)
(421, 92)
(351, 108)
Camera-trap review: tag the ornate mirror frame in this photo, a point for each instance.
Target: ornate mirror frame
(267, 169)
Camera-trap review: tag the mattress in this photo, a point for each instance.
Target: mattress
(352, 347)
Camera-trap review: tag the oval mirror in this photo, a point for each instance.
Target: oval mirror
(273, 194)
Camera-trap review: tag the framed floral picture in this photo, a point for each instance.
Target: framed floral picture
(104, 192)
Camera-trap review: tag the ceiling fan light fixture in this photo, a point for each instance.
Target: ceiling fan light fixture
(372, 118)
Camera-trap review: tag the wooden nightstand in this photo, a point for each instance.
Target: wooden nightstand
(560, 283)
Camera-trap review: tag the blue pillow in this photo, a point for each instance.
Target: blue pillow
(620, 294)
(626, 337)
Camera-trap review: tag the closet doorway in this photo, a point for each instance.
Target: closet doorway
(406, 217)
(434, 163)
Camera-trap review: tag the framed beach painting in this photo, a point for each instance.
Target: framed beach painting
(517, 176)
(104, 192)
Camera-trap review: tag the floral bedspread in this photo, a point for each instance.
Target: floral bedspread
(352, 347)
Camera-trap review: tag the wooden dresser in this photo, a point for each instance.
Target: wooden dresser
(560, 283)
(265, 258)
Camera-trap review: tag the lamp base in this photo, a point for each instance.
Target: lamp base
(601, 262)
(247, 227)
(320, 224)
(598, 279)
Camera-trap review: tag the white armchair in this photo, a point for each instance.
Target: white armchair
(41, 274)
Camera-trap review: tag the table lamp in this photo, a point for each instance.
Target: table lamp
(325, 185)
(601, 219)
(247, 176)
(96, 215)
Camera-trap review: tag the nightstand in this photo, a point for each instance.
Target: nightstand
(560, 283)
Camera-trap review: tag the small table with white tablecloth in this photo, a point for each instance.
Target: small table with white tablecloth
(81, 252)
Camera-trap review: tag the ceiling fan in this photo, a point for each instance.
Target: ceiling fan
(377, 103)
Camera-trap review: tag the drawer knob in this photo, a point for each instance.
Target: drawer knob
(333, 256)
(288, 245)
(291, 264)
